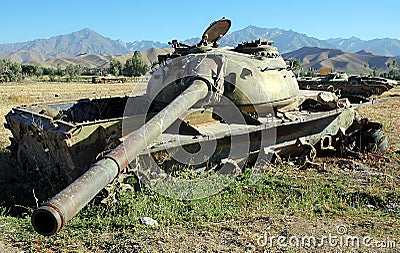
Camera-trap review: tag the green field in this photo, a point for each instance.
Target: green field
(245, 217)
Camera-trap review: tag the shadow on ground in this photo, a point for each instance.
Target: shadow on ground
(21, 190)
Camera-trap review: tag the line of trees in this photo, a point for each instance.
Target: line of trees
(13, 72)
(133, 67)
(10, 71)
(393, 70)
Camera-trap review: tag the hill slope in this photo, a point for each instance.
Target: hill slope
(101, 61)
(386, 46)
(361, 62)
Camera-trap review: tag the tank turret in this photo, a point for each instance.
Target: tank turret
(251, 74)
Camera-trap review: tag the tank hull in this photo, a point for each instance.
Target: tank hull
(65, 149)
(353, 87)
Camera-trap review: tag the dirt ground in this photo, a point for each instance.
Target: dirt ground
(247, 234)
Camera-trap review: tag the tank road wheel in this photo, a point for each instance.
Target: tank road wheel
(366, 136)
(373, 141)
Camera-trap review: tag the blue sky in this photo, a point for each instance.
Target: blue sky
(163, 20)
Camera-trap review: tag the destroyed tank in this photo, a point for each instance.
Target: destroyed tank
(355, 88)
(214, 111)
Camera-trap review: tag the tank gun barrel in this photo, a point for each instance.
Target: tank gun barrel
(52, 215)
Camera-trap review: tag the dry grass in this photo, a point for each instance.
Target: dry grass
(16, 94)
(388, 113)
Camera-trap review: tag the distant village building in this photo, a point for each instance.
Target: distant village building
(108, 79)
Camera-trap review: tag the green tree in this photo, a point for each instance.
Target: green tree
(16, 71)
(375, 72)
(51, 72)
(59, 72)
(69, 72)
(10, 71)
(78, 71)
(27, 70)
(37, 71)
(135, 66)
(394, 64)
(295, 64)
(388, 65)
(73, 72)
(115, 67)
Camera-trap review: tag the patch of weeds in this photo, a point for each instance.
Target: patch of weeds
(19, 99)
(284, 191)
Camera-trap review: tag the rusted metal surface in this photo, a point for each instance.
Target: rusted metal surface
(244, 78)
(353, 87)
(60, 147)
(51, 216)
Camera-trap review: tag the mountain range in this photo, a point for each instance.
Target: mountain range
(92, 49)
(310, 57)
